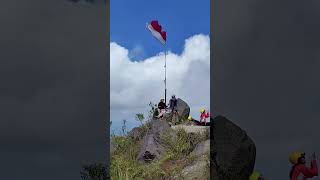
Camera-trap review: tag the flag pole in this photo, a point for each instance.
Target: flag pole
(165, 74)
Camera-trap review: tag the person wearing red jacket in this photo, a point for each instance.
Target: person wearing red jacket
(203, 116)
(299, 170)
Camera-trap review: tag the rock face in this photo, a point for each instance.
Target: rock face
(192, 129)
(183, 109)
(202, 148)
(152, 148)
(199, 170)
(196, 122)
(232, 156)
(136, 133)
(234, 152)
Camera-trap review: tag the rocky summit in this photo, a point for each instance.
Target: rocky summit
(185, 150)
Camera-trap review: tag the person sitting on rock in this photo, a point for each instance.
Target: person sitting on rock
(256, 176)
(192, 121)
(162, 108)
(299, 169)
(203, 116)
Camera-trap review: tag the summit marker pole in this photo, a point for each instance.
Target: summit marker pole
(165, 74)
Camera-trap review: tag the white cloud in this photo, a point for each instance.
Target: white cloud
(136, 53)
(135, 84)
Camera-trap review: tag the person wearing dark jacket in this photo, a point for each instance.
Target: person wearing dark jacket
(174, 111)
(173, 103)
(162, 108)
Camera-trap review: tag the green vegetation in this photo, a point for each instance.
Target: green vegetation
(184, 142)
(154, 111)
(123, 159)
(140, 117)
(125, 149)
(96, 171)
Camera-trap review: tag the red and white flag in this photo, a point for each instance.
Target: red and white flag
(156, 31)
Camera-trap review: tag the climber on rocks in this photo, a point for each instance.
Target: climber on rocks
(162, 108)
(192, 121)
(173, 103)
(173, 107)
(256, 176)
(299, 169)
(203, 116)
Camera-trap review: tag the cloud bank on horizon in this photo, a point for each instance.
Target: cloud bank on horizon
(133, 84)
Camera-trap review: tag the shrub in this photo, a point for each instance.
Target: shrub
(96, 171)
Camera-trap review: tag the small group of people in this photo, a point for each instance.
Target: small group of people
(299, 170)
(173, 108)
(163, 107)
(203, 117)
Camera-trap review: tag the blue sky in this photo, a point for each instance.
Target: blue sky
(180, 19)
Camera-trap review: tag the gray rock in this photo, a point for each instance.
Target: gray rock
(202, 148)
(183, 109)
(199, 170)
(192, 129)
(136, 133)
(234, 152)
(190, 123)
(152, 148)
(183, 112)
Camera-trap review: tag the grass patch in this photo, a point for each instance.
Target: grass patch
(183, 144)
(123, 159)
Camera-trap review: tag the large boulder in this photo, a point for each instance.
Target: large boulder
(202, 148)
(137, 133)
(198, 170)
(152, 148)
(191, 123)
(183, 109)
(234, 152)
(192, 129)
